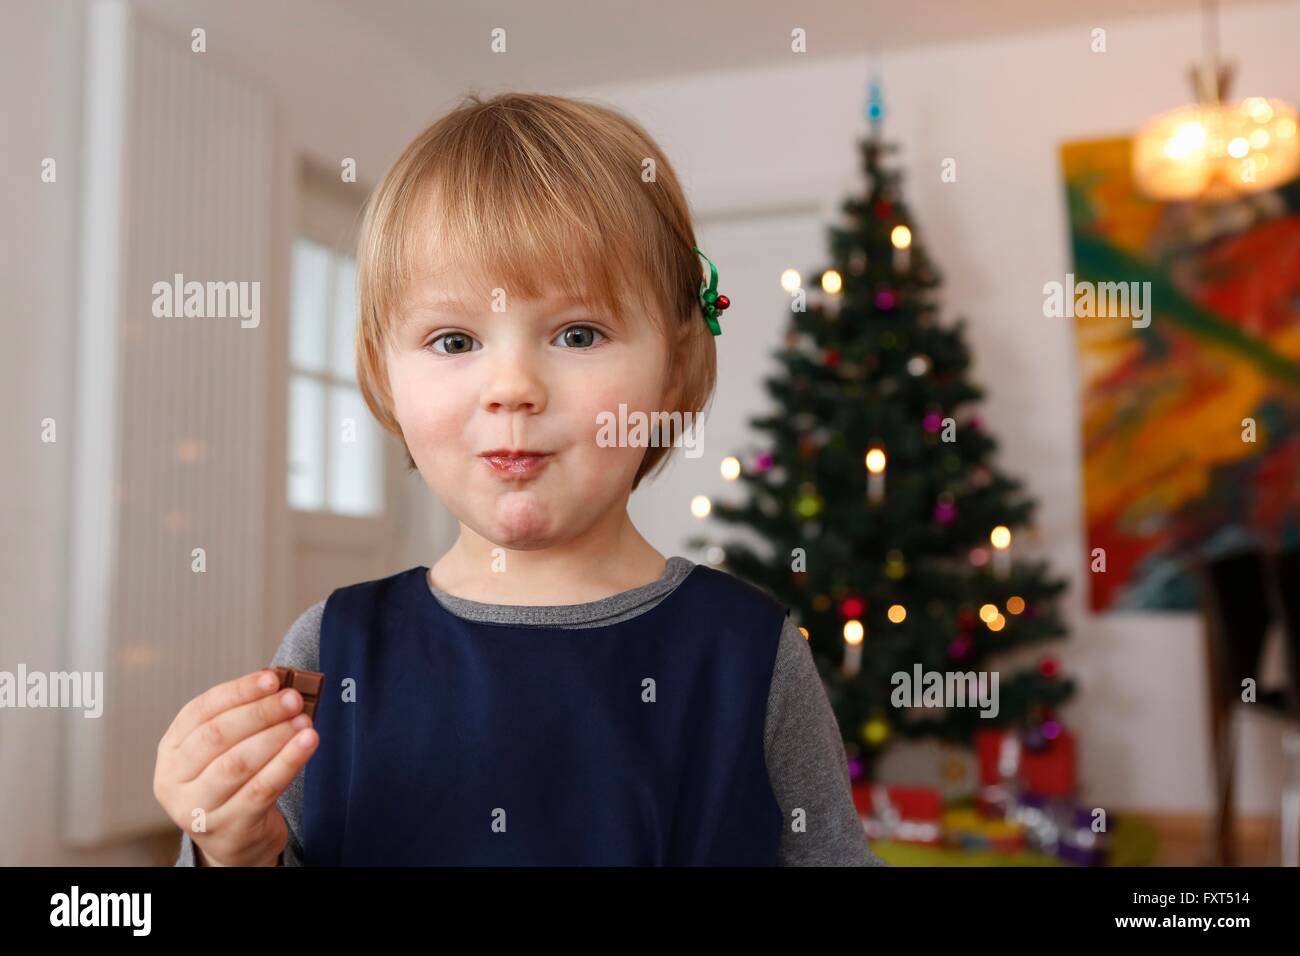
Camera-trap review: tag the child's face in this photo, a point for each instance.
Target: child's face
(533, 377)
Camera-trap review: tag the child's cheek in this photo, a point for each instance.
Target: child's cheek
(430, 418)
(614, 453)
(596, 407)
(601, 417)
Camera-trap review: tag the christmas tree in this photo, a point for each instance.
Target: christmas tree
(890, 528)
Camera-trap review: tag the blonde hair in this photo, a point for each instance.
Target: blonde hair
(538, 192)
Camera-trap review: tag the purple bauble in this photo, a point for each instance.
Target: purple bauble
(763, 461)
(885, 299)
(944, 512)
(959, 647)
(932, 422)
(1051, 729)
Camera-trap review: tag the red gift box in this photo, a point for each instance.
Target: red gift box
(912, 803)
(1049, 772)
(913, 815)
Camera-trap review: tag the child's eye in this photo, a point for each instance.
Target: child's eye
(457, 342)
(579, 336)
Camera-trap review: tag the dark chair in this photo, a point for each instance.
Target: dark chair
(1242, 594)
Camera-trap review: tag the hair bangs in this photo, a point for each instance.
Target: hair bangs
(501, 212)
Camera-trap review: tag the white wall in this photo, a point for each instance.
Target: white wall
(327, 113)
(1002, 109)
(40, 88)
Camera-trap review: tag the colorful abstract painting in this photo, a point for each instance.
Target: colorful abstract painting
(1191, 412)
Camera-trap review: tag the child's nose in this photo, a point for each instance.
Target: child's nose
(515, 383)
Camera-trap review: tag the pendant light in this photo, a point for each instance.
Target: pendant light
(1213, 150)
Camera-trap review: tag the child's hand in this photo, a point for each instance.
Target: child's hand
(231, 752)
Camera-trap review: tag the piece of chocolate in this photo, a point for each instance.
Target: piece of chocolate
(307, 683)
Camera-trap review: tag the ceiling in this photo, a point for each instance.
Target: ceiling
(557, 44)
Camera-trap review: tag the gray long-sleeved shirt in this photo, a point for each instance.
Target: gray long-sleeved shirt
(801, 739)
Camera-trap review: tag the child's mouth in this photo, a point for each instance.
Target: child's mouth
(522, 464)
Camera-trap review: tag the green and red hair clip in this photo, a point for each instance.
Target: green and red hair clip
(711, 302)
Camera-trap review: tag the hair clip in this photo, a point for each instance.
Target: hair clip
(711, 302)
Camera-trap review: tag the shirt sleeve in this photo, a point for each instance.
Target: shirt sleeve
(300, 649)
(807, 766)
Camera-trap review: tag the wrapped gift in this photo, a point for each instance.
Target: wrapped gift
(1079, 844)
(908, 814)
(969, 829)
(1063, 828)
(1049, 771)
(993, 756)
(1000, 772)
(1007, 761)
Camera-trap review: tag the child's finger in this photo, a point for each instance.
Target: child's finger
(264, 788)
(216, 700)
(229, 772)
(209, 741)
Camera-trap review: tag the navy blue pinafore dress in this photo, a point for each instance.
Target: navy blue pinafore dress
(448, 742)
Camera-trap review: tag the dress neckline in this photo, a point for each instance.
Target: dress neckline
(589, 613)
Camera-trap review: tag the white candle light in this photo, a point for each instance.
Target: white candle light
(876, 462)
(853, 634)
(901, 237)
(1000, 537)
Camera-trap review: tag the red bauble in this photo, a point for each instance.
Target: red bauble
(831, 358)
(1048, 668)
(966, 619)
(852, 607)
(884, 209)
(722, 302)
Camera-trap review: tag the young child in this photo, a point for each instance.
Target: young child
(553, 691)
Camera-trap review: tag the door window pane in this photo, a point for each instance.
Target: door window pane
(306, 443)
(336, 461)
(354, 485)
(311, 313)
(345, 317)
